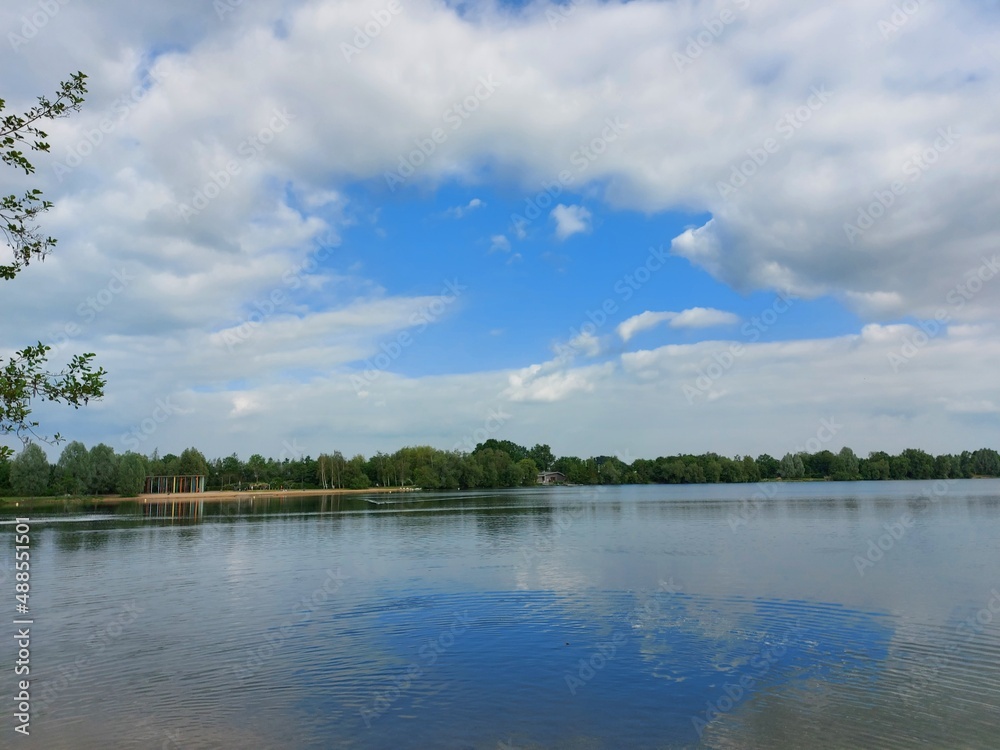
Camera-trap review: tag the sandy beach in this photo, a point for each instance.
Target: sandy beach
(223, 495)
(216, 496)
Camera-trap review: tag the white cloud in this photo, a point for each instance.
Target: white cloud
(570, 220)
(537, 384)
(499, 244)
(695, 317)
(703, 317)
(642, 322)
(586, 343)
(890, 100)
(457, 212)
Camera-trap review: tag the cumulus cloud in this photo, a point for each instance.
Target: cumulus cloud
(499, 244)
(457, 212)
(782, 168)
(570, 220)
(642, 322)
(695, 317)
(838, 158)
(703, 317)
(587, 343)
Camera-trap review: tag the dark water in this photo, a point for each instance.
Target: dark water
(639, 617)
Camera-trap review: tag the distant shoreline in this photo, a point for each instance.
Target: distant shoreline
(212, 496)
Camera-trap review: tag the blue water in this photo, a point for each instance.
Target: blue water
(637, 617)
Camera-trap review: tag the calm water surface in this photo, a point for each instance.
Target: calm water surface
(807, 615)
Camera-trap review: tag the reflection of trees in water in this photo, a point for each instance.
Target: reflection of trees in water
(72, 537)
(96, 539)
(68, 539)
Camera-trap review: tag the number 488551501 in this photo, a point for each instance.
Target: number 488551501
(22, 558)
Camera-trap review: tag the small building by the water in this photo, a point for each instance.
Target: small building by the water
(551, 477)
(175, 483)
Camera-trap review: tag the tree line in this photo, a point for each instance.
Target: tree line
(80, 471)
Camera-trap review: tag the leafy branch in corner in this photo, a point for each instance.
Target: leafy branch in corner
(18, 215)
(24, 377)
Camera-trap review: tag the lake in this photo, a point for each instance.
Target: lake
(834, 615)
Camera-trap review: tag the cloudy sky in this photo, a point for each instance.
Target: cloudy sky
(633, 228)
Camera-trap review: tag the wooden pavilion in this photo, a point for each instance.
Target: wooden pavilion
(173, 484)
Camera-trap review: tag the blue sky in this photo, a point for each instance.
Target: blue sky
(522, 300)
(264, 212)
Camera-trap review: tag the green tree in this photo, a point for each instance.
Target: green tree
(355, 477)
(25, 376)
(819, 465)
(751, 472)
(986, 462)
(514, 451)
(105, 464)
(132, 471)
(192, 461)
(712, 469)
(899, 467)
(230, 470)
(732, 471)
(29, 472)
(528, 472)
(768, 466)
(256, 465)
(542, 456)
(4, 474)
(170, 464)
(846, 467)
(875, 468)
(77, 468)
(791, 467)
(920, 462)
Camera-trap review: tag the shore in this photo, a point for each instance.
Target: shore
(215, 496)
(221, 495)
